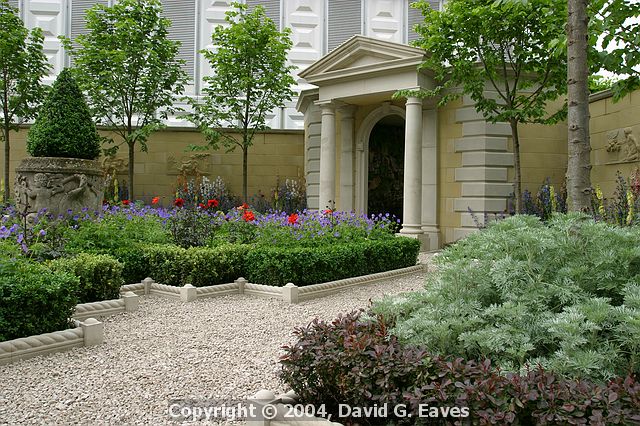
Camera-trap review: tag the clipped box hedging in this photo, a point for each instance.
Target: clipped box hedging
(173, 265)
(312, 265)
(34, 299)
(100, 275)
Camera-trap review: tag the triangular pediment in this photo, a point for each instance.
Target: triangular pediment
(360, 55)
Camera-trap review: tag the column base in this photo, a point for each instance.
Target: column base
(425, 244)
(434, 237)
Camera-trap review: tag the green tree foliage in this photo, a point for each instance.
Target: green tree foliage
(598, 83)
(508, 48)
(129, 70)
(64, 127)
(22, 67)
(565, 295)
(616, 24)
(251, 78)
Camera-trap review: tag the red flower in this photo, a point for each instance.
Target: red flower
(328, 211)
(244, 206)
(179, 202)
(202, 206)
(293, 218)
(155, 200)
(126, 202)
(248, 216)
(213, 203)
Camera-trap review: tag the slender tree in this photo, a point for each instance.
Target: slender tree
(129, 70)
(251, 78)
(579, 148)
(507, 47)
(22, 68)
(601, 35)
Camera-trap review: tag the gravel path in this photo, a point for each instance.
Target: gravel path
(224, 347)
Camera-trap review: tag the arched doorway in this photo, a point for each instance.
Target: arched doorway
(386, 166)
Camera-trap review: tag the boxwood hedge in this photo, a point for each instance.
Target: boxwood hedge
(34, 299)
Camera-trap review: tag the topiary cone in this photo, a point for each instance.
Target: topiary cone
(64, 127)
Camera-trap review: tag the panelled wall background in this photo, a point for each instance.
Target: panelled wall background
(318, 26)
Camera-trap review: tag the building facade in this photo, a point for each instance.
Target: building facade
(318, 26)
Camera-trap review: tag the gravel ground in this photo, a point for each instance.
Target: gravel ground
(224, 347)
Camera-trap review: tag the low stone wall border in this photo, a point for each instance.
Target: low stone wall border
(290, 293)
(128, 302)
(89, 332)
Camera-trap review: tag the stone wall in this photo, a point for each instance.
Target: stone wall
(615, 138)
(274, 154)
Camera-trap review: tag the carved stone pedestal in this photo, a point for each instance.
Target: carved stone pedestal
(59, 185)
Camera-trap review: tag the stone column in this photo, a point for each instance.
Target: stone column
(327, 156)
(346, 159)
(430, 175)
(412, 200)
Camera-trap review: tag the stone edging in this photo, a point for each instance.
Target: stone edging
(290, 293)
(87, 333)
(128, 302)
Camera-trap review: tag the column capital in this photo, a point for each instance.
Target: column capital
(326, 105)
(347, 111)
(414, 100)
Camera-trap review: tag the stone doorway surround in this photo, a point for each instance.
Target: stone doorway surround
(356, 82)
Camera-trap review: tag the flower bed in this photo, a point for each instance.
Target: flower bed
(202, 246)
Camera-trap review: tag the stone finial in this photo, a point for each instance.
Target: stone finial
(241, 283)
(131, 301)
(290, 293)
(93, 332)
(147, 285)
(188, 293)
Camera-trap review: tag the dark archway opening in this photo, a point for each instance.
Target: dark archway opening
(386, 166)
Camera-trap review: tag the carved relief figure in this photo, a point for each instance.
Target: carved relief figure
(189, 166)
(83, 195)
(45, 187)
(613, 143)
(623, 144)
(112, 166)
(631, 145)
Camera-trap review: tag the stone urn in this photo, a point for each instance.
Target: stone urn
(58, 185)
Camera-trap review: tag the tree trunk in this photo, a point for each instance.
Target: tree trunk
(245, 155)
(130, 183)
(517, 181)
(5, 134)
(579, 162)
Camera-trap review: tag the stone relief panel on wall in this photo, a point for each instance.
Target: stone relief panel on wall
(112, 166)
(192, 165)
(622, 146)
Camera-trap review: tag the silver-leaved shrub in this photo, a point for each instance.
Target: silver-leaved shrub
(564, 295)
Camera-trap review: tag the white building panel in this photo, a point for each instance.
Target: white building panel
(385, 20)
(292, 118)
(212, 14)
(48, 15)
(306, 20)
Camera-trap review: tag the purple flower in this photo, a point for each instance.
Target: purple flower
(42, 233)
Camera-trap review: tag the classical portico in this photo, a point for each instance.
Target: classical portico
(355, 84)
